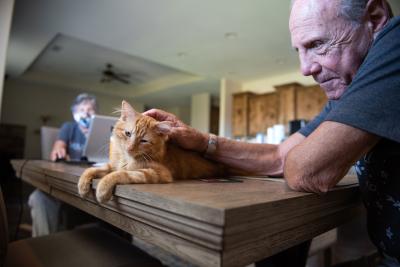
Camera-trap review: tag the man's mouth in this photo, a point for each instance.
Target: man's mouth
(325, 82)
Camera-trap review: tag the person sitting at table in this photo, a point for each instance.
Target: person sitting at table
(352, 50)
(45, 210)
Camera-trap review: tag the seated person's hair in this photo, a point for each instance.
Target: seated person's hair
(83, 98)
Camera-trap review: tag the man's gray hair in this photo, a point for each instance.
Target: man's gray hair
(84, 97)
(352, 10)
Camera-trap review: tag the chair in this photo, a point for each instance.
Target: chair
(48, 135)
(86, 246)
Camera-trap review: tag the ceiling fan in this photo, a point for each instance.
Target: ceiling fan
(110, 74)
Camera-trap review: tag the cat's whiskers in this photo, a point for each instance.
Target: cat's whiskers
(124, 165)
(103, 149)
(117, 111)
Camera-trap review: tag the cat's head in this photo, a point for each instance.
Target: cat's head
(140, 137)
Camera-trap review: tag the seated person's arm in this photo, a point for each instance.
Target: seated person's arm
(256, 159)
(259, 159)
(59, 150)
(325, 156)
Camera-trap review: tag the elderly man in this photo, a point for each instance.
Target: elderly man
(352, 49)
(72, 135)
(46, 210)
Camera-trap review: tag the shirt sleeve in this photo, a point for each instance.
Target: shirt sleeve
(65, 132)
(312, 125)
(372, 100)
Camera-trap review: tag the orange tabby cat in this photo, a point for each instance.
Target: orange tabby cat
(141, 153)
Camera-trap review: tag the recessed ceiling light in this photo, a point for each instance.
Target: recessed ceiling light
(231, 35)
(181, 54)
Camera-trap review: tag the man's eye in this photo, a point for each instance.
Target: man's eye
(128, 134)
(317, 44)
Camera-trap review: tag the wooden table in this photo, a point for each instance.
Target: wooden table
(207, 224)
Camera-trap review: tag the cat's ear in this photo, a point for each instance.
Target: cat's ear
(164, 127)
(127, 112)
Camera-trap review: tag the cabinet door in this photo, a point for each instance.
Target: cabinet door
(271, 110)
(287, 103)
(263, 112)
(310, 101)
(240, 114)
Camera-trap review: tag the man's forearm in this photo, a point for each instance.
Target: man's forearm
(257, 159)
(318, 163)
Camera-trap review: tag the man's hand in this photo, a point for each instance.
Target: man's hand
(59, 150)
(182, 134)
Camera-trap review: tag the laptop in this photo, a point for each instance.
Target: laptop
(96, 149)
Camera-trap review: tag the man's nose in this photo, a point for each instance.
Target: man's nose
(309, 66)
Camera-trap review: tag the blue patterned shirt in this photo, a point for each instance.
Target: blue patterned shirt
(74, 138)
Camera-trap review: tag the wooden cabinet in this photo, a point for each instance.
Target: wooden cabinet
(263, 112)
(254, 113)
(240, 121)
(310, 101)
(287, 102)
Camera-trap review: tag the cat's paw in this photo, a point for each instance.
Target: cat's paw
(84, 184)
(104, 191)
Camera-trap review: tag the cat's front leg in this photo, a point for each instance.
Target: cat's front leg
(88, 175)
(142, 176)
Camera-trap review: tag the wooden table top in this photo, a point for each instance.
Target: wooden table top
(208, 224)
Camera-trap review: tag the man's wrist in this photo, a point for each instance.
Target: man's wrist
(212, 141)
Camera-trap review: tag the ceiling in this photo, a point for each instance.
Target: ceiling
(177, 46)
(84, 65)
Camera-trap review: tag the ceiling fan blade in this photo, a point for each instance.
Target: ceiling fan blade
(124, 75)
(116, 77)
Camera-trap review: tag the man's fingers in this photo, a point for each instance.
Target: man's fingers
(60, 154)
(160, 115)
(156, 114)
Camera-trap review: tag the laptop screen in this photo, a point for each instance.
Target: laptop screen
(98, 141)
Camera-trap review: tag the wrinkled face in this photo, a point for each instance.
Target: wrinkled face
(330, 48)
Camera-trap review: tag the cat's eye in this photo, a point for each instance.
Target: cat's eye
(144, 141)
(128, 133)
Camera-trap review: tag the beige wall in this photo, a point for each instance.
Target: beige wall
(200, 112)
(183, 113)
(24, 103)
(395, 6)
(227, 89)
(266, 85)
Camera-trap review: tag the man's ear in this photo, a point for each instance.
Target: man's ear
(164, 127)
(127, 112)
(377, 14)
